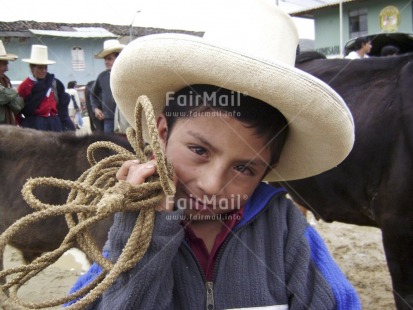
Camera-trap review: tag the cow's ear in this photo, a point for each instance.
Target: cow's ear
(162, 130)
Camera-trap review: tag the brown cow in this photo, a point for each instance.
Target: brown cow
(373, 186)
(28, 153)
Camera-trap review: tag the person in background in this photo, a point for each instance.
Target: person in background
(389, 50)
(95, 124)
(362, 46)
(45, 99)
(103, 103)
(75, 111)
(10, 101)
(121, 124)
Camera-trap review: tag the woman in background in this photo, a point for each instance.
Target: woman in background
(45, 100)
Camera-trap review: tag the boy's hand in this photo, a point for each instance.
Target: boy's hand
(135, 173)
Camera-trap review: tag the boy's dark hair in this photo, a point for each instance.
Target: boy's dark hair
(199, 99)
(358, 43)
(71, 84)
(389, 50)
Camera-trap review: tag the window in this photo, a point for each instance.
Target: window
(78, 59)
(358, 23)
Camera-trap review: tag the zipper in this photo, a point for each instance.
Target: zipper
(210, 295)
(209, 286)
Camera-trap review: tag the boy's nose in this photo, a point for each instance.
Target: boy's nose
(211, 181)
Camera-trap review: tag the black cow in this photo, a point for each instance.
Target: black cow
(28, 153)
(373, 186)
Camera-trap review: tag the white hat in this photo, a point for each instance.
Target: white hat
(39, 56)
(109, 47)
(4, 55)
(251, 49)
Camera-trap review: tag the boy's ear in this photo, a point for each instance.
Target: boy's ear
(162, 130)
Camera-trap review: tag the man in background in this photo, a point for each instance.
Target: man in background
(10, 101)
(103, 103)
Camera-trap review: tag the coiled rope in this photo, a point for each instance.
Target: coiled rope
(94, 196)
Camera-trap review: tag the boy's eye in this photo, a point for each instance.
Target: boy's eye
(244, 169)
(198, 150)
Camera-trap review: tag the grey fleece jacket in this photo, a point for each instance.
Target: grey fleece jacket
(269, 261)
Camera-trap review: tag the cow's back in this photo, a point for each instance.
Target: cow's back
(378, 93)
(27, 153)
(374, 184)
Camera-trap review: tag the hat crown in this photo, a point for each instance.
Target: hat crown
(110, 46)
(2, 49)
(256, 29)
(39, 56)
(110, 43)
(39, 52)
(4, 55)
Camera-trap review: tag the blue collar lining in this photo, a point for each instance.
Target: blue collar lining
(259, 199)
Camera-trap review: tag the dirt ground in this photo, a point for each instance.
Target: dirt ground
(357, 250)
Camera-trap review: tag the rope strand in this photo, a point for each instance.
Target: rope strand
(94, 196)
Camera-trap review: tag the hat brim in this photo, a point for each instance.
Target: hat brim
(11, 57)
(321, 128)
(105, 52)
(39, 62)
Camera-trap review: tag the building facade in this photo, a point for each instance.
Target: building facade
(72, 46)
(337, 23)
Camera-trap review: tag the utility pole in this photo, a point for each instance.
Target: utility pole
(341, 29)
(131, 25)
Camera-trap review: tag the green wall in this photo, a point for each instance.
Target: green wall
(327, 22)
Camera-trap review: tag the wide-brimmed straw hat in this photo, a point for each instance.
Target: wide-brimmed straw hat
(109, 47)
(4, 55)
(39, 56)
(251, 50)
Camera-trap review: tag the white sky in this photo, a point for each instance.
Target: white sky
(152, 13)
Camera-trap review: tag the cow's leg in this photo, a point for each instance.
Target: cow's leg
(28, 257)
(398, 244)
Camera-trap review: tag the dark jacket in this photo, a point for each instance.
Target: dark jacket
(102, 95)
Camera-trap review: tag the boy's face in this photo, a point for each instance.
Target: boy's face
(367, 47)
(218, 163)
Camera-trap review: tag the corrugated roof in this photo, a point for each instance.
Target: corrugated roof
(308, 12)
(18, 28)
(87, 32)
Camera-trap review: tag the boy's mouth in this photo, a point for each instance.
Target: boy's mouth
(198, 203)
